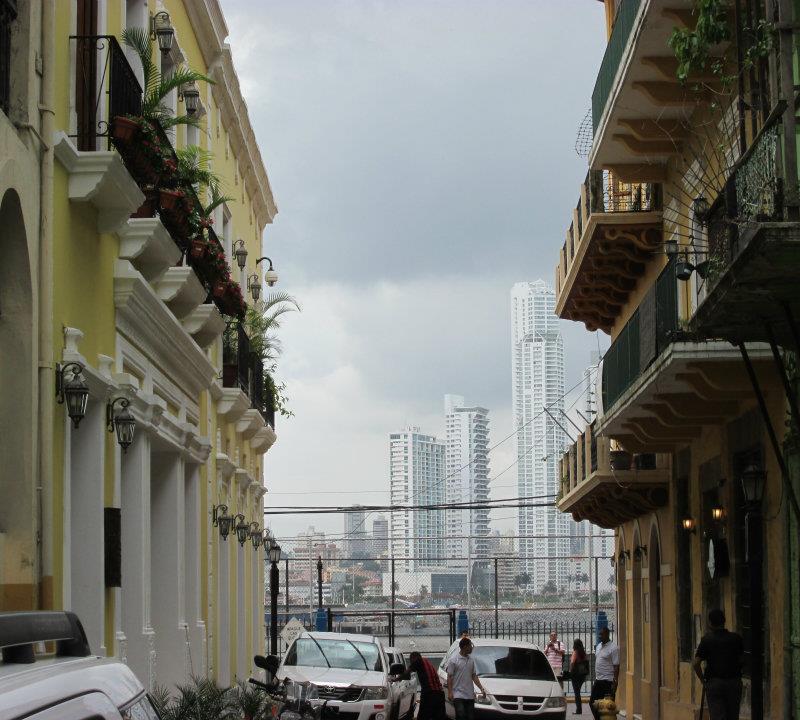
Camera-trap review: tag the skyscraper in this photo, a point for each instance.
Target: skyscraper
(537, 362)
(466, 470)
(416, 477)
(380, 535)
(355, 530)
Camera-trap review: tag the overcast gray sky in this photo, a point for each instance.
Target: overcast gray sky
(422, 158)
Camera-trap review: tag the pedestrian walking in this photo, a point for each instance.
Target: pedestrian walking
(461, 681)
(431, 694)
(606, 670)
(721, 651)
(578, 672)
(554, 652)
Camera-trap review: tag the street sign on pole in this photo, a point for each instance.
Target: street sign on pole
(292, 630)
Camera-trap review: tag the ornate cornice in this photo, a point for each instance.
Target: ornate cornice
(99, 178)
(147, 323)
(148, 245)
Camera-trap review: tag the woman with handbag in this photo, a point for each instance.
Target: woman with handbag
(578, 671)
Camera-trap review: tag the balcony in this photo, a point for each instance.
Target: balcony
(749, 289)
(638, 71)
(660, 386)
(243, 369)
(609, 487)
(615, 230)
(108, 103)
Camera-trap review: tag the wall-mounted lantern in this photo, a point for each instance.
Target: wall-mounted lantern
(222, 520)
(72, 390)
(121, 421)
(240, 253)
(161, 30)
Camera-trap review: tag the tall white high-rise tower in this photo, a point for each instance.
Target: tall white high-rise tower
(416, 477)
(467, 473)
(537, 362)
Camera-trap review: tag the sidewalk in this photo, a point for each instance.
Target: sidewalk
(586, 712)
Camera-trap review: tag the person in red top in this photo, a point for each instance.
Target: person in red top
(431, 695)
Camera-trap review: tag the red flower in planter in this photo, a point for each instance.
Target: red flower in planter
(198, 250)
(170, 199)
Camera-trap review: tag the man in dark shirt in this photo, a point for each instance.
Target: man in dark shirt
(721, 651)
(431, 695)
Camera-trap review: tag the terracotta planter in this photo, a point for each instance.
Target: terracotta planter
(198, 249)
(124, 131)
(149, 207)
(170, 200)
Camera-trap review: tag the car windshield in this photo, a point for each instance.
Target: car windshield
(511, 662)
(322, 652)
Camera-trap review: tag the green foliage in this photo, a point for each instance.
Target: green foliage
(202, 699)
(156, 86)
(692, 48)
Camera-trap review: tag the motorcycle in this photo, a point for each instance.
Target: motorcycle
(295, 700)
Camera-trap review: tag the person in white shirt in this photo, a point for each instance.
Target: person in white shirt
(461, 681)
(606, 670)
(554, 652)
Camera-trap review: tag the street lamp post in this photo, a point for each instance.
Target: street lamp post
(319, 581)
(753, 482)
(274, 579)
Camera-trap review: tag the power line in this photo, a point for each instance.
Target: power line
(409, 508)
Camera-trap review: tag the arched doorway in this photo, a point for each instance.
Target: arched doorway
(18, 512)
(654, 611)
(637, 630)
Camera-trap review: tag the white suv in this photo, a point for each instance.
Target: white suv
(72, 685)
(350, 672)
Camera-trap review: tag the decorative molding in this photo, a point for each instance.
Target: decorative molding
(224, 465)
(101, 385)
(250, 423)
(148, 245)
(216, 390)
(149, 325)
(198, 448)
(259, 491)
(205, 324)
(180, 288)
(100, 178)
(263, 440)
(232, 404)
(243, 479)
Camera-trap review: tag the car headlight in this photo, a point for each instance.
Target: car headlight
(555, 702)
(483, 699)
(381, 692)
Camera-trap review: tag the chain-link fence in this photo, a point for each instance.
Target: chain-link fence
(412, 603)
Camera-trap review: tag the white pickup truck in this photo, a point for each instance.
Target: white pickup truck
(351, 672)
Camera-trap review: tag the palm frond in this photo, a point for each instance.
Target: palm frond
(217, 199)
(138, 39)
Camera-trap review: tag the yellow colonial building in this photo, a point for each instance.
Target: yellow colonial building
(683, 248)
(138, 411)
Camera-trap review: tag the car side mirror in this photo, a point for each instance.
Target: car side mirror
(396, 669)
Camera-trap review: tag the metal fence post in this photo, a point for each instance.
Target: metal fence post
(286, 588)
(393, 585)
(496, 601)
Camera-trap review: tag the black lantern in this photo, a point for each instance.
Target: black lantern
(161, 29)
(267, 540)
(191, 97)
(256, 536)
(623, 556)
(274, 552)
(242, 528)
(671, 247)
(683, 268)
(240, 253)
(640, 552)
(222, 520)
(121, 421)
(255, 286)
(270, 276)
(753, 481)
(701, 209)
(73, 391)
(688, 524)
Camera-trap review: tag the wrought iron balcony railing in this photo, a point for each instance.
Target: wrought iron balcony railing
(105, 86)
(236, 357)
(649, 331)
(620, 34)
(8, 13)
